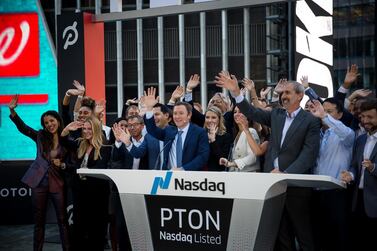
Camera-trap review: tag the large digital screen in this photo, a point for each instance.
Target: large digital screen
(27, 67)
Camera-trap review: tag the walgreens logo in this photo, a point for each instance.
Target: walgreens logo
(19, 45)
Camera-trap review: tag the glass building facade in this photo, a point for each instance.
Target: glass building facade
(354, 43)
(354, 40)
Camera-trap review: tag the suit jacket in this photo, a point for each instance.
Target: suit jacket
(149, 147)
(195, 148)
(370, 178)
(40, 166)
(219, 149)
(300, 148)
(242, 154)
(122, 159)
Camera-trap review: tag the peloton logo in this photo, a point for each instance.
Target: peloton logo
(14, 192)
(187, 185)
(19, 45)
(70, 35)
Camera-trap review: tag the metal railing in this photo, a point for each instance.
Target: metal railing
(192, 48)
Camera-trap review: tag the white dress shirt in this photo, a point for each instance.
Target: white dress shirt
(369, 145)
(288, 122)
(173, 150)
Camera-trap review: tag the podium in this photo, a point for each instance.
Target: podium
(183, 210)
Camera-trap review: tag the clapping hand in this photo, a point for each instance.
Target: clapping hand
(121, 135)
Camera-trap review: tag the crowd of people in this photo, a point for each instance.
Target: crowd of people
(267, 133)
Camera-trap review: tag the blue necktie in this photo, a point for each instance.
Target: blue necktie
(179, 149)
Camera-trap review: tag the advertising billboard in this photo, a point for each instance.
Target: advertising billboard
(27, 67)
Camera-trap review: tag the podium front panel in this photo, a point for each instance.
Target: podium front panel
(166, 211)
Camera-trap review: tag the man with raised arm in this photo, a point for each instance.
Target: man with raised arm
(186, 145)
(293, 148)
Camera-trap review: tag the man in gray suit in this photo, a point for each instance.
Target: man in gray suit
(293, 148)
(364, 174)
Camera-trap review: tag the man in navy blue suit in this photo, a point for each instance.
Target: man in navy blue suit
(151, 148)
(364, 174)
(186, 146)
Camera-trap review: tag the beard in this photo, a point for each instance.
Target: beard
(370, 128)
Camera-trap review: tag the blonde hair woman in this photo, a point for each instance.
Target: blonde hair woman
(90, 195)
(219, 139)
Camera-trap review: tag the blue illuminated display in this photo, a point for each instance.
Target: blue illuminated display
(13, 144)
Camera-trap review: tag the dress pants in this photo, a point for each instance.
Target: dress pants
(296, 221)
(363, 227)
(40, 196)
(332, 210)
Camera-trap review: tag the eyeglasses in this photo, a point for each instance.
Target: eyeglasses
(133, 125)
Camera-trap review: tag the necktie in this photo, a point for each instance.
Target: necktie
(179, 149)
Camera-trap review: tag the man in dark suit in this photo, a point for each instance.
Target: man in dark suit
(186, 145)
(364, 174)
(124, 138)
(293, 148)
(151, 146)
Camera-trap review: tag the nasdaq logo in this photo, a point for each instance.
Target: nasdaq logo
(160, 182)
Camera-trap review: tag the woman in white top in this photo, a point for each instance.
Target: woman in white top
(243, 158)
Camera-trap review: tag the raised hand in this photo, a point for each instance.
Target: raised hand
(193, 82)
(120, 135)
(132, 101)
(316, 109)
(243, 91)
(248, 84)
(351, 76)
(228, 82)
(279, 88)
(150, 98)
(100, 108)
(241, 120)
(305, 81)
(13, 103)
(212, 130)
(143, 109)
(116, 130)
(79, 87)
(360, 93)
(264, 91)
(73, 126)
(73, 92)
(177, 93)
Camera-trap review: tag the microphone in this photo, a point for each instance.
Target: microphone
(229, 156)
(159, 154)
